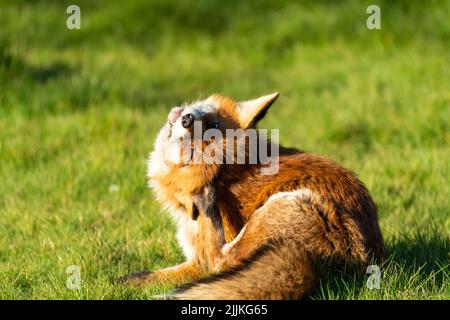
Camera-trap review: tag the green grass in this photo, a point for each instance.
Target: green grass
(79, 111)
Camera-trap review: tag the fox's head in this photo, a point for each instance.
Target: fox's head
(219, 112)
(192, 128)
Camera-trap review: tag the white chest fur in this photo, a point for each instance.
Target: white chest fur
(187, 230)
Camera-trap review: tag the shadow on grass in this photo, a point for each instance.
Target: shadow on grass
(426, 249)
(416, 257)
(13, 66)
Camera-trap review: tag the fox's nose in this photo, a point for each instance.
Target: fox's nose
(187, 120)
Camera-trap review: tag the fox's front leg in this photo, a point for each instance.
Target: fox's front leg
(208, 243)
(176, 275)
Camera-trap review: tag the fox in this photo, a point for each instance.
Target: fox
(247, 234)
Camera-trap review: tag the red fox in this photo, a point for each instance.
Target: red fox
(247, 234)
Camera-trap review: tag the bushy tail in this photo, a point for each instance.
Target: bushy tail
(280, 270)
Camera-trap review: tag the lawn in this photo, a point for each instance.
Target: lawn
(79, 110)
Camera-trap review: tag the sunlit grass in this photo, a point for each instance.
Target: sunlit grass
(79, 111)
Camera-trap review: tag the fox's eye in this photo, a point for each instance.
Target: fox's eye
(212, 124)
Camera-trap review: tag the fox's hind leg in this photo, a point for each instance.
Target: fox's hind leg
(299, 216)
(264, 226)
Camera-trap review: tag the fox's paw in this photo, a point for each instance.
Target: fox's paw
(230, 247)
(226, 249)
(135, 278)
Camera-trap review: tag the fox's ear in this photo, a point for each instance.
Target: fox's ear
(251, 111)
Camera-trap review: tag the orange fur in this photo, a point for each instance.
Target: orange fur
(311, 211)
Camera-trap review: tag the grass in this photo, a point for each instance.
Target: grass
(79, 111)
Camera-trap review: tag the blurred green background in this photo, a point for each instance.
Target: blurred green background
(79, 110)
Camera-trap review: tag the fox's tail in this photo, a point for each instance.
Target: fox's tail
(279, 270)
